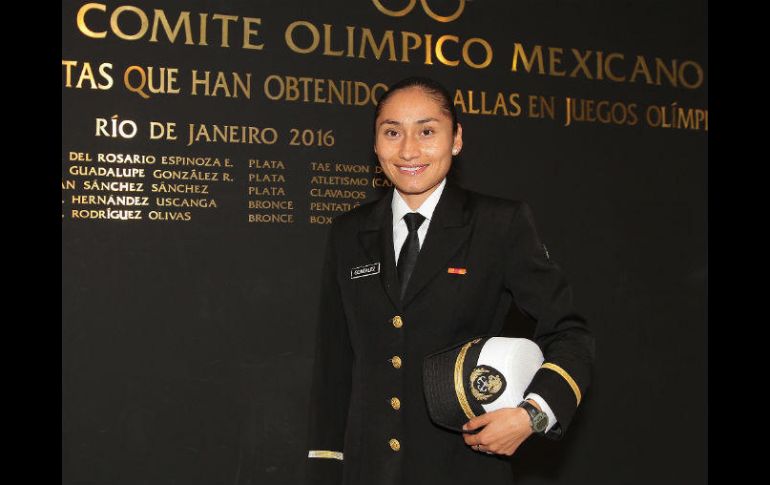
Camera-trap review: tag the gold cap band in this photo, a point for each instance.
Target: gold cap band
(459, 388)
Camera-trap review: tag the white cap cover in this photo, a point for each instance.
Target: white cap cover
(518, 359)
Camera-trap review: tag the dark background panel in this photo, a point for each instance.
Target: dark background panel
(187, 347)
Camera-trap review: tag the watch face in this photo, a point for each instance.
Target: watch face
(539, 422)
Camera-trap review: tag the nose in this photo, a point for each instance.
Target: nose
(410, 149)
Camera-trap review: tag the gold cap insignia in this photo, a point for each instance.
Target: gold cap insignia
(486, 383)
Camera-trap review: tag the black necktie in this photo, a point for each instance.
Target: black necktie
(407, 258)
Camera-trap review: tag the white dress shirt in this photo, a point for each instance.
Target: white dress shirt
(400, 208)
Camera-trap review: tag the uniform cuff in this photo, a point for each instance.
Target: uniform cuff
(334, 455)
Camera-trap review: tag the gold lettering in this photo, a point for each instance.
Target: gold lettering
(487, 50)
(581, 59)
(608, 69)
(248, 32)
(328, 42)
(660, 67)
(81, 20)
(459, 101)
(554, 60)
(405, 45)
(289, 36)
(377, 50)
(440, 52)
(641, 67)
(144, 22)
(537, 55)
(698, 80)
(226, 19)
(183, 20)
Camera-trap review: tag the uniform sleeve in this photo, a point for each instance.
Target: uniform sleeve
(331, 380)
(540, 290)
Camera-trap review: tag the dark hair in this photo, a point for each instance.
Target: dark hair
(433, 88)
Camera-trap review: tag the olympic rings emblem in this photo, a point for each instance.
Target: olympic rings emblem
(404, 11)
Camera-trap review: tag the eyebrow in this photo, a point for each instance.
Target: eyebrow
(394, 122)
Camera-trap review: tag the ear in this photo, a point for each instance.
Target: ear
(458, 139)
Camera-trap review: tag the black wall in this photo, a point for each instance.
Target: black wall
(187, 345)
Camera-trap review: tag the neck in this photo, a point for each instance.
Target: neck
(414, 201)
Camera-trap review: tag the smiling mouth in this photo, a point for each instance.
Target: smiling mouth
(412, 170)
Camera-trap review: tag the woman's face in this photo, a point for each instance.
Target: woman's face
(414, 143)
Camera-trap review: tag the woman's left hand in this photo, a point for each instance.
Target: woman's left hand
(504, 431)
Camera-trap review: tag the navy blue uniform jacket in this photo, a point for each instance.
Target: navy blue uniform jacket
(365, 356)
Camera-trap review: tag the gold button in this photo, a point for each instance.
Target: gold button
(395, 445)
(397, 322)
(396, 361)
(395, 403)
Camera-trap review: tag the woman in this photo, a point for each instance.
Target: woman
(428, 266)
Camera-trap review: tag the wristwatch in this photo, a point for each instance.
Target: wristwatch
(538, 420)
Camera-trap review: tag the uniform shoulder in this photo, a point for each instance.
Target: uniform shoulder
(500, 206)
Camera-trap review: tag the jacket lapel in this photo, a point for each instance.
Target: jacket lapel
(449, 229)
(376, 237)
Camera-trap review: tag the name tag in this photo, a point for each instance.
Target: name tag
(365, 270)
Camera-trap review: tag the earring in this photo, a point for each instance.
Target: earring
(455, 151)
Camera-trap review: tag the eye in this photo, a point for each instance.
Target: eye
(427, 131)
(389, 132)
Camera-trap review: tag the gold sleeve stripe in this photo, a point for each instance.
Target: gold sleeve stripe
(566, 377)
(459, 388)
(337, 455)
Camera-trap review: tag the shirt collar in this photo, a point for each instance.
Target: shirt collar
(400, 207)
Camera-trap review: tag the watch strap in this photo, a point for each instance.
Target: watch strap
(538, 420)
